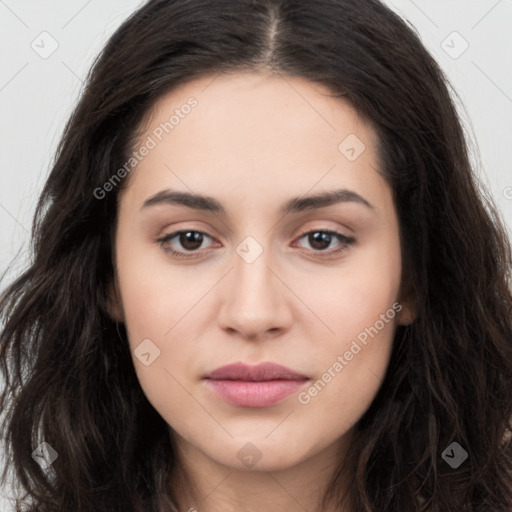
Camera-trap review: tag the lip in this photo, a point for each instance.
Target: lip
(260, 372)
(254, 386)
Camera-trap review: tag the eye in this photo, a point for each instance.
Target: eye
(189, 239)
(191, 242)
(319, 240)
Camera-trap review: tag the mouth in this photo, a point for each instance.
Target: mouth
(254, 386)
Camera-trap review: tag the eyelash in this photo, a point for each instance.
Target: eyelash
(345, 242)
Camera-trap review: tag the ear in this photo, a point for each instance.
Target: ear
(113, 305)
(409, 310)
(407, 314)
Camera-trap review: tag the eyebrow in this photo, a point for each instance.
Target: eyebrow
(294, 205)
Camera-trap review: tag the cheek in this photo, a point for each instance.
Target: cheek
(359, 306)
(158, 303)
(351, 367)
(351, 297)
(155, 295)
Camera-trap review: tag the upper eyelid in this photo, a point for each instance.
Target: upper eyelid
(345, 243)
(335, 232)
(349, 231)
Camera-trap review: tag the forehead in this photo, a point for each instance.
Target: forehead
(241, 135)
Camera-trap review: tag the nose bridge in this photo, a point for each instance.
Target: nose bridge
(255, 303)
(253, 276)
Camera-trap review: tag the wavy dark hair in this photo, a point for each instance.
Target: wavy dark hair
(69, 376)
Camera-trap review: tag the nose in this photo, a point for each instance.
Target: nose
(256, 301)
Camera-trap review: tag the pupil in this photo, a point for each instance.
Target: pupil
(324, 239)
(191, 240)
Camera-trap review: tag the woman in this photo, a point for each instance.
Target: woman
(263, 277)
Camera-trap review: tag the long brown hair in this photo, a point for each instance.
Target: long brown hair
(70, 381)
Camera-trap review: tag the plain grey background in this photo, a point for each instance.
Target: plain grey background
(47, 48)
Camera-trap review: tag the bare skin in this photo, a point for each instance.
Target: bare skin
(253, 142)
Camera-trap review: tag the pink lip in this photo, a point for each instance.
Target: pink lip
(254, 386)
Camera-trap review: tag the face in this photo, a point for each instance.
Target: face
(259, 273)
